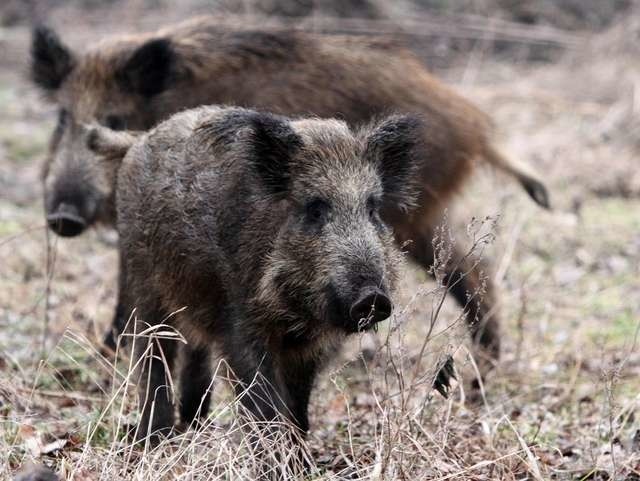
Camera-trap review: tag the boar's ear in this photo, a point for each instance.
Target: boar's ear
(395, 145)
(51, 60)
(273, 143)
(150, 68)
(110, 144)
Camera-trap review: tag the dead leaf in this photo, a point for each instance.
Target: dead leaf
(34, 444)
(84, 475)
(54, 446)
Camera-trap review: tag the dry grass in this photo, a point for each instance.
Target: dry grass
(562, 404)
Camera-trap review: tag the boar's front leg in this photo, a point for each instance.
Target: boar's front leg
(272, 387)
(156, 357)
(195, 378)
(273, 384)
(299, 378)
(260, 393)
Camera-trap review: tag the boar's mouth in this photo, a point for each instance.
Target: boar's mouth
(66, 221)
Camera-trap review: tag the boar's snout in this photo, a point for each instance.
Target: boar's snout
(66, 221)
(372, 306)
(72, 203)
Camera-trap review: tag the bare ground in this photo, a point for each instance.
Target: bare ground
(563, 402)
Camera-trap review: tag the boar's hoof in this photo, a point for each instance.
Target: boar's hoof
(372, 306)
(446, 372)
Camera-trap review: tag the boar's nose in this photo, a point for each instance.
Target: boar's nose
(66, 221)
(372, 306)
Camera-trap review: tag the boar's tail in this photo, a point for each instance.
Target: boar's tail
(528, 180)
(110, 143)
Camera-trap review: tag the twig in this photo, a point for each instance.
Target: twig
(56, 394)
(50, 260)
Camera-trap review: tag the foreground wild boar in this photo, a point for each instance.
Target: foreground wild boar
(134, 82)
(268, 232)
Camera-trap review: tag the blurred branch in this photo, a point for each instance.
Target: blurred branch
(453, 26)
(465, 27)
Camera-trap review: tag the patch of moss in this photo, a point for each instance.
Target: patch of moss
(612, 213)
(10, 227)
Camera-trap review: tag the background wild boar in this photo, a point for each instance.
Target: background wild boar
(133, 82)
(270, 232)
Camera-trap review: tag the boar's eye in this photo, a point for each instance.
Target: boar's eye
(115, 122)
(316, 211)
(63, 117)
(63, 120)
(373, 208)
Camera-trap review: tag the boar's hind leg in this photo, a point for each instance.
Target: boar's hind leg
(195, 379)
(154, 388)
(462, 276)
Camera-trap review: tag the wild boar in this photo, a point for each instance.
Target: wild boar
(133, 82)
(262, 236)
